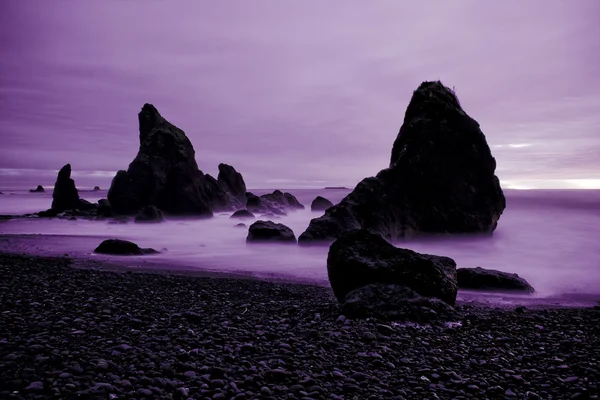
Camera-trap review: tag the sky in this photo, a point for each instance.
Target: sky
(296, 93)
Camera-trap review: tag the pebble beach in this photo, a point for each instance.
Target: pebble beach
(94, 333)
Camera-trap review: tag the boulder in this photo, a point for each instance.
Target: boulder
(149, 214)
(394, 303)
(491, 280)
(360, 258)
(268, 231)
(242, 214)
(65, 195)
(165, 174)
(320, 204)
(240, 225)
(38, 189)
(441, 179)
(120, 247)
(96, 188)
(233, 183)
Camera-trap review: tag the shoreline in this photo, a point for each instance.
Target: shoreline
(71, 332)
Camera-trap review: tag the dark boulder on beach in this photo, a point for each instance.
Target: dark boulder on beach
(360, 258)
(165, 174)
(65, 195)
(149, 214)
(394, 303)
(38, 189)
(441, 179)
(268, 231)
(120, 247)
(491, 280)
(242, 214)
(233, 183)
(320, 204)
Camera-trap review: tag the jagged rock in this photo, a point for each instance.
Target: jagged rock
(361, 258)
(276, 203)
(395, 303)
(165, 174)
(38, 189)
(268, 231)
(96, 188)
(320, 204)
(491, 280)
(242, 214)
(122, 248)
(65, 195)
(440, 180)
(233, 183)
(149, 214)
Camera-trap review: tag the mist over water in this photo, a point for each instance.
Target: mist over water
(548, 237)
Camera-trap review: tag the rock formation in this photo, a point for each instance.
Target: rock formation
(276, 203)
(96, 188)
(440, 180)
(242, 214)
(38, 189)
(149, 214)
(320, 204)
(165, 174)
(65, 195)
(360, 258)
(267, 231)
(120, 247)
(233, 183)
(491, 280)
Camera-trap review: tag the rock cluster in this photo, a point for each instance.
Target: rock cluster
(441, 178)
(277, 203)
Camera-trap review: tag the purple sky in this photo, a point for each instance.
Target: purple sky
(293, 94)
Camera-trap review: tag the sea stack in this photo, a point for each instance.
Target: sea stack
(441, 179)
(65, 195)
(165, 174)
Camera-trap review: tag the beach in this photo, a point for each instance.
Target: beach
(67, 331)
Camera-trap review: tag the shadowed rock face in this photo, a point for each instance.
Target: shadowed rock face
(360, 258)
(165, 174)
(233, 182)
(320, 204)
(441, 178)
(65, 195)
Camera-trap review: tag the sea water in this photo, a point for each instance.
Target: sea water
(549, 237)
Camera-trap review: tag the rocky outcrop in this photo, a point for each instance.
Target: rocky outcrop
(268, 231)
(320, 204)
(233, 183)
(242, 214)
(38, 189)
(276, 203)
(441, 179)
(120, 247)
(491, 280)
(96, 188)
(65, 195)
(149, 214)
(165, 174)
(104, 209)
(394, 303)
(360, 258)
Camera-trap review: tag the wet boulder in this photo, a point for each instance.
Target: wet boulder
(360, 258)
(320, 204)
(241, 214)
(268, 231)
(120, 247)
(440, 181)
(491, 280)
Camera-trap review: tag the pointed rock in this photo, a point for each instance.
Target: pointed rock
(65, 195)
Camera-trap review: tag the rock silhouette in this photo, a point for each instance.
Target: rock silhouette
(65, 195)
(96, 188)
(320, 204)
(242, 214)
(268, 231)
(149, 214)
(360, 258)
(38, 189)
(276, 203)
(233, 183)
(440, 180)
(120, 247)
(165, 174)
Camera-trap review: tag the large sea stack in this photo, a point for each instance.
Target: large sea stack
(441, 178)
(165, 174)
(65, 195)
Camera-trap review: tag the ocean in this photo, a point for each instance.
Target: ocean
(549, 237)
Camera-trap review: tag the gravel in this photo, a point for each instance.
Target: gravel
(96, 334)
